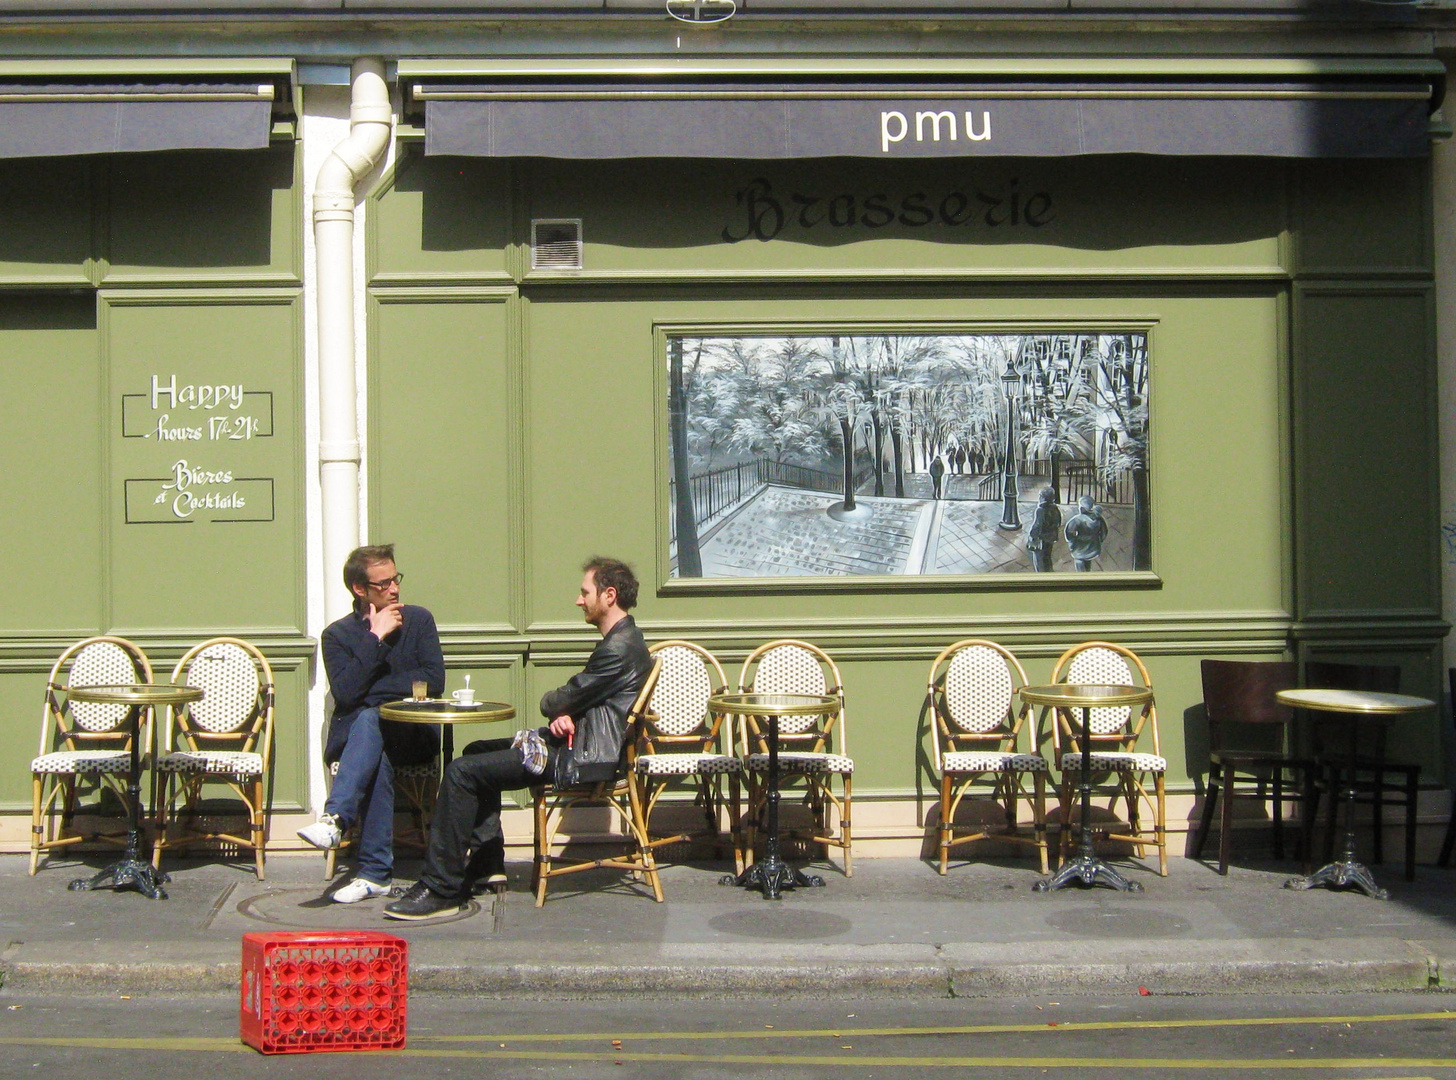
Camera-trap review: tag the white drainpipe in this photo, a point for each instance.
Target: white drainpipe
(370, 119)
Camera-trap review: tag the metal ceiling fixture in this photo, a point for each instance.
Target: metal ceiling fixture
(702, 11)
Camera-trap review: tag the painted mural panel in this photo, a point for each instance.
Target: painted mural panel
(933, 453)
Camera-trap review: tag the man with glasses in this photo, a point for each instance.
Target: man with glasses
(373, 655)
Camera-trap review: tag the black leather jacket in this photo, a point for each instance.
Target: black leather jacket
(598, 699)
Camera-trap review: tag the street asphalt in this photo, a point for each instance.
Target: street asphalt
(897, 927)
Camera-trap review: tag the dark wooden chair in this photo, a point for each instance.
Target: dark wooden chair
(1450, 840)
(1373, 771)
(1239, 699)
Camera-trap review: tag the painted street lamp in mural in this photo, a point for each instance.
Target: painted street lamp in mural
(794, 454)
(1010, 516)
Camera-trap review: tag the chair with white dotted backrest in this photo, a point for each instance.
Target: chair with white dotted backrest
(1116, 733)
(683, 742)
(976, 729)
(83, 738)
(812, 748)
(225, 738)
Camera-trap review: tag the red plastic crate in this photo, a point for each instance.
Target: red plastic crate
(307, 992)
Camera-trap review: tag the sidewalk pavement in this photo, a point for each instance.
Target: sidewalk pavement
(896, 927)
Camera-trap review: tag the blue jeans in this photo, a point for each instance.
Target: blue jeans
(363, 791)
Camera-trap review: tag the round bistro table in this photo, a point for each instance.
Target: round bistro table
(444, 711)
(1085, 865)
(130, 869)
(1358, 706)
(771, 873)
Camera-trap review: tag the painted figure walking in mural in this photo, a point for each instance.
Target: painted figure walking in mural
(1086, 533)
(581, 744)
(937, 476)
(373, 655)
(1046, 528)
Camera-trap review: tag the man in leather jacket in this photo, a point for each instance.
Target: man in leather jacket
(581, 744)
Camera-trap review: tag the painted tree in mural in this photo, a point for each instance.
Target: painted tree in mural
(689, 561)
(903, 363)
(847, 398)
(1061, 418)
(980, 414)
(1121, 390)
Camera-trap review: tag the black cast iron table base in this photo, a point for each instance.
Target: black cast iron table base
(1089, 870)
(1340, 874)
(129, 872)
(772, 875)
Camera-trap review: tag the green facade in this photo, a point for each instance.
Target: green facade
(516, 418)
(1293, 468)
(186, 268)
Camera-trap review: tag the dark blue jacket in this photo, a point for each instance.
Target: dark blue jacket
(364, 671)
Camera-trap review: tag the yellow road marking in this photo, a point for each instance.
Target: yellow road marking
(878, 1060)
(849, 1032)
(211, 1046)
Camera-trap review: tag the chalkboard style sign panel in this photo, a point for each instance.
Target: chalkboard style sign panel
(200, 419)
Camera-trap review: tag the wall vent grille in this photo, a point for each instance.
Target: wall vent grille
(556, 244)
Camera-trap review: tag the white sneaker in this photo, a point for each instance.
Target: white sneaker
(360, 889)
(323, 833)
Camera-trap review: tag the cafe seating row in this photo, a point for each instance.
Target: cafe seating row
(676, 741)
(981, 735)
(225, 737)
(979, 731)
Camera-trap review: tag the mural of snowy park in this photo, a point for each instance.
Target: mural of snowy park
(811, 455)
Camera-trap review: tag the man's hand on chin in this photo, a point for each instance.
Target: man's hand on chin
(385, 620)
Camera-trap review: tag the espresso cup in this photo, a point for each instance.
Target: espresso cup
(465, 696)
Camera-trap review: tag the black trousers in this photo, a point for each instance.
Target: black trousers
(467, 810)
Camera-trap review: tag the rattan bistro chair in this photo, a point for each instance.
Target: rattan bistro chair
(226, 738)
(811, 748)
(84, 739)
(681, 743)
(1116, 735)
(619, 795)
(977, 734)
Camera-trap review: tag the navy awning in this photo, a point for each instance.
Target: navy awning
(63, 118)
(1294, 118)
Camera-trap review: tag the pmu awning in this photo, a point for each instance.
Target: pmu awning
(63, 112)
(1300, 110)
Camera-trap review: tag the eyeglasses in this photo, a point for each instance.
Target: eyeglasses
(387, 582)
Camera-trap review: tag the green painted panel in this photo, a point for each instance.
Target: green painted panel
(1366, 456)
(440, 418)
(200, 214)
(51, 533)
(205, 529)
(45, 217)
(1115, 213)
(441, 216)
(20, 730)
(1362, 214)
(1216, 468)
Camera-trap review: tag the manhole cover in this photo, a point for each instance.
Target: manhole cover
(781, 924)
(308, 909)
(1119, 924)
